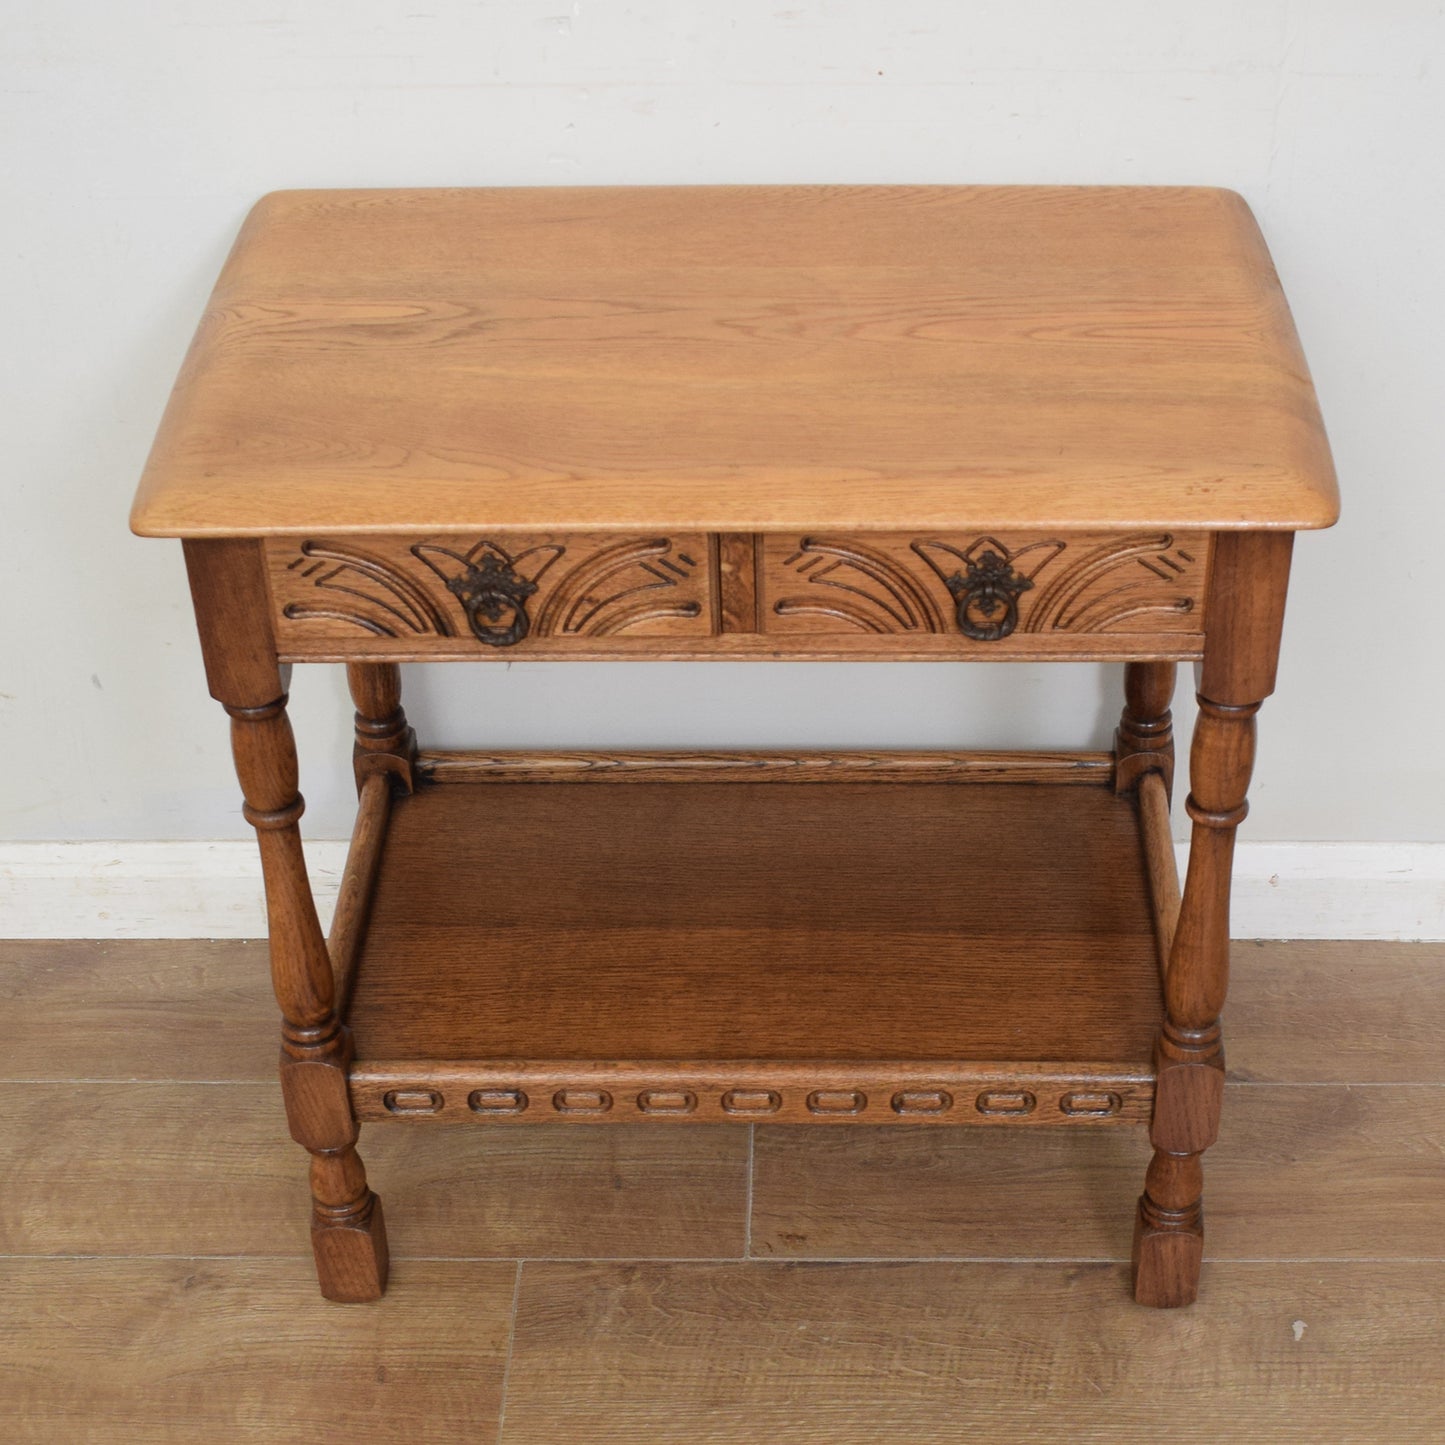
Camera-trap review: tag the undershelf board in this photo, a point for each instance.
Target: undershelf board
(838, 923)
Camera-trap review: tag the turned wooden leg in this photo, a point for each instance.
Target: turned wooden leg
(347, 1233)
(384, 741)
(1189, 1056)
(1144, 739)
(1248, 582)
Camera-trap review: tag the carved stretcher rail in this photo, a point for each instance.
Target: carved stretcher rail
(1157, 835)
(923, 766)
(748, 1091)
(358, 880)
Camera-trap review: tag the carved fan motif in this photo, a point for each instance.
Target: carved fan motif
(503, 596)
(874, 592)
(593, 598)
(988, 590)
(1074, 602)
(371, 593)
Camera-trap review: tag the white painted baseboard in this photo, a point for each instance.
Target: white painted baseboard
(146, 890)
(213, 890)
(1337, 890)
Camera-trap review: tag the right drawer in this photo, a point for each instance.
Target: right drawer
(987, 590)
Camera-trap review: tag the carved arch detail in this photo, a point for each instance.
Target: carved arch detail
(500, 590)
(987, 586)
(889, 597)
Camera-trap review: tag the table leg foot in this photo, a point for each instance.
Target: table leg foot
(1169, 1232)
(1166, 1261)
(351, 1253)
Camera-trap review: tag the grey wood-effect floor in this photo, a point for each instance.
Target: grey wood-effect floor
(708, 1283)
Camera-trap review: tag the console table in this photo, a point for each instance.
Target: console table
(958, 424)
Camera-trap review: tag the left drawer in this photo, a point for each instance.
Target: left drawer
(535, 595)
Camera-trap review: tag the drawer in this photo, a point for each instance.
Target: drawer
(543, 594)
(1028, 591)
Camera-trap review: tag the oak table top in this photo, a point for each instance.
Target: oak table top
(742, 359)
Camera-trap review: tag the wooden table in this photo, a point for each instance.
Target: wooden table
(846, 423)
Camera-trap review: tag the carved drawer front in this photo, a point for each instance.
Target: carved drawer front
(498, 596)
(984, 588)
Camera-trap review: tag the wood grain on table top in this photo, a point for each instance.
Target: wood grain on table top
(742, 358)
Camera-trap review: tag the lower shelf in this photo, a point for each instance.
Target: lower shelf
(946, 950)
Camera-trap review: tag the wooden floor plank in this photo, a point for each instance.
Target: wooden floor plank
(1299, 1172)
(796, 1354)
(914, 1193)
(623, 1192)
(151, 1169)
(1328, 1172)
(139, 1009)
(1336, 1012)
(160, 1351)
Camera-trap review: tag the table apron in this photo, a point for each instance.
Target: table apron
(979, 596)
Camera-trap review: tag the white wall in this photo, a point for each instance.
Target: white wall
(133, 137)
